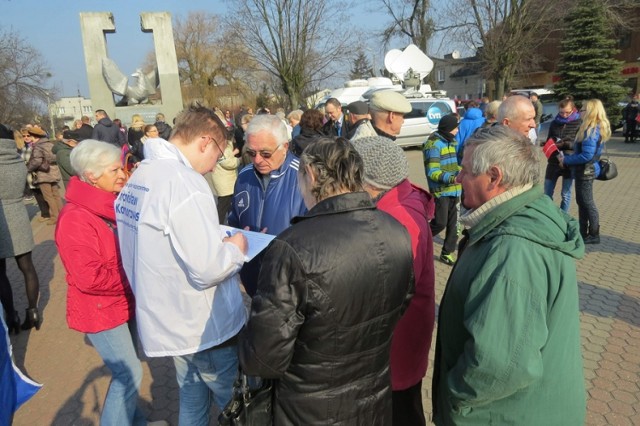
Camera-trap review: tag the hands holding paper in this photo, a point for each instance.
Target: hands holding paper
(238, 239)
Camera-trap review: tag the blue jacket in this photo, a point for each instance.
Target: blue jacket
(471, 121)
(273, 208)
(270, 208)
(589, 149)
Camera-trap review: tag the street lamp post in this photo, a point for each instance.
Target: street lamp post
(53, 129)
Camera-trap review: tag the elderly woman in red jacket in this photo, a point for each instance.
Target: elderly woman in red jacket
(386, 173)
(99, 300)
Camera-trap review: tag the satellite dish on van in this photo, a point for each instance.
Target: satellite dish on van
(398, 62)
(455, 54)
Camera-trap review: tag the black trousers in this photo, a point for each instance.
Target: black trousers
(407, 406)
(446, 218)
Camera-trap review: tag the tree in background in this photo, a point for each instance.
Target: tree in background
(505, 33)
(409, 18)
(212, 69)
(361, 67)
(587, 66)
(297, 41)
(23, 82)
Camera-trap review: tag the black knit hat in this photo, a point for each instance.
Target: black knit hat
(448, 123)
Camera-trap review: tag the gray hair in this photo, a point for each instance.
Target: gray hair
(506, 149)
(511, 107)
(92, 156)
(268, 123)
(491, 110)
(296, 114)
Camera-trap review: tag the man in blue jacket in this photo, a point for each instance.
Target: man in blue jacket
(266, 194)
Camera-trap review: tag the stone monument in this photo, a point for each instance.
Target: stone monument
(95, 26)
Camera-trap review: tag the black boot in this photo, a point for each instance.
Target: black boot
(32, 319)
(593, 237)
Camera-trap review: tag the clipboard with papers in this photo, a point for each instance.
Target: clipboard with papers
(257, 241)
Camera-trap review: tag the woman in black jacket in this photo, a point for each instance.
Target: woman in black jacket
(310, 131)
(321, 321)
(562, 131)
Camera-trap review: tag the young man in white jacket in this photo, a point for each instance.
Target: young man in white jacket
(182, 269)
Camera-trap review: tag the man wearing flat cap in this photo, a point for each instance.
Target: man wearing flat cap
(441, 167)
(360, 121)
(387, 109)
(386, 172)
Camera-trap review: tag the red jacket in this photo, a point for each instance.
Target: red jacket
(98, 297)
(413, 207)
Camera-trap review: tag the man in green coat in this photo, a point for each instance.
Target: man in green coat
(508, 349)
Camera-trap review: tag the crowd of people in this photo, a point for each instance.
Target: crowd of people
(342, 302)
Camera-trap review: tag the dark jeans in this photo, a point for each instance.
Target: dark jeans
(446, 217)
(407, 406)
(588, 216)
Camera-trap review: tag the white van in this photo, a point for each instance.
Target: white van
(423, 119)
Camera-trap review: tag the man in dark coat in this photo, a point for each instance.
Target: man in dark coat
(337, 125)
(164, 130)
(105, 130)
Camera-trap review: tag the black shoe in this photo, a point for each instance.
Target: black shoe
(13, 322)
(32, 319)
(592, 239)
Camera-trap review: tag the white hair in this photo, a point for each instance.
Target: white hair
(92, 156)
(507, 149)
(271, 124)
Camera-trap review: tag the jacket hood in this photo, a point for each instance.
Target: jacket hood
(410, 196)
(106, 121)
(541, 222)
(159, 149)
(473, 114)
(96, 200)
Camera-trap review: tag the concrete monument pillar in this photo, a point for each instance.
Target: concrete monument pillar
(95, 26)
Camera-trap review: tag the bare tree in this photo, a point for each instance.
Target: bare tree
(23, 80)
(212, 69)
(297, 41)
(506, 33)
(409, 18)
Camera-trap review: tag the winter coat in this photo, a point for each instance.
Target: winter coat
(472, 120)
(164, 130)
(584, 161)
(85, 132)
(63, 158)
(226, 172)
(508, 348)
(98, 297)
(329, 128)
(184, 277)
(272, 207)
(106, 131)
(563, 130)
(413, 207)
(15, 228)
(323, 325)
(305, 138)
(43, 153)
(441, 165)
(362, 129)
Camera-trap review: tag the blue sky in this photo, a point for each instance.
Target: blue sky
(53, 28)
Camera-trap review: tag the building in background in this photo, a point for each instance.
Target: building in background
(69, 109)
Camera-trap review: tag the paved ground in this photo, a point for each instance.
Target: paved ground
(75, 381)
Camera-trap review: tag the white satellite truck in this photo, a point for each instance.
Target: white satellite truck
(408, 67)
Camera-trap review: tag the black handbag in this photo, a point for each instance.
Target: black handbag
(608, 169)
(249, 407)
